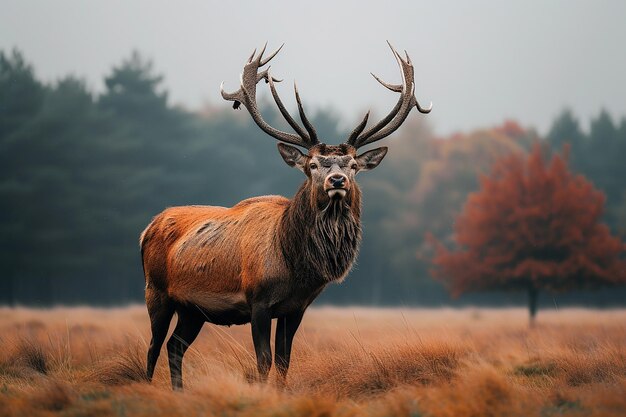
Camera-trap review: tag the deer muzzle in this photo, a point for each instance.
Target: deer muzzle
(336, 185)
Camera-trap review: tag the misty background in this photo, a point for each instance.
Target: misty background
(480, 62)
(110, 112)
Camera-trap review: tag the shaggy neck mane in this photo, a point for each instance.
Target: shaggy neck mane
(320, 239)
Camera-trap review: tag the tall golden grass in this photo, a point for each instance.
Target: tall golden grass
(346, 362)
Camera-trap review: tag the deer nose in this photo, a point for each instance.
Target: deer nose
(337, 181)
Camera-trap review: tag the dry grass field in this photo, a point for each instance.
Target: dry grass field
(346, 362)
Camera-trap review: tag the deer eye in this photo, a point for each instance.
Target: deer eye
(313, 166)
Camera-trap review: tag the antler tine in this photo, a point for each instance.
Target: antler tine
(272, 55)
(423, 110)
(401, 110)
(262, 52)
(357, 130)
(284, 111)
(397, 88)
(309, 127)
(252, 56)
(246, 95)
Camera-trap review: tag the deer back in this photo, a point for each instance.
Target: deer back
(193, 252)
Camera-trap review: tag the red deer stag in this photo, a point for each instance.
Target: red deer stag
(266, 257)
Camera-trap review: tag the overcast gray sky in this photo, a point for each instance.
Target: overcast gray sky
(479, 62)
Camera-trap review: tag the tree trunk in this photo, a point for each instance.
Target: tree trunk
(532, 304)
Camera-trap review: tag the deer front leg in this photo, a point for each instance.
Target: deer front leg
(261, 330)
(285, 331)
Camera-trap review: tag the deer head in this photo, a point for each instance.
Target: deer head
(331, 169)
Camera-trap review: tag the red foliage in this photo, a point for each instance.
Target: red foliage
(511, 128)
(532, 224)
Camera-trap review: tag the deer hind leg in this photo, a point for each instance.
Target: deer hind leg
(160, 310)
(187, 328)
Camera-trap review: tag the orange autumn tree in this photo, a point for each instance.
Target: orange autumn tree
(532, 226)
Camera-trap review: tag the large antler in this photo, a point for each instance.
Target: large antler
(398, 115)
(246, 95)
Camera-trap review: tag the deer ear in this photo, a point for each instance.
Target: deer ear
(292, 156)
(370, 159)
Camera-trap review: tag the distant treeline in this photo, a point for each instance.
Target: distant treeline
(81, 175)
